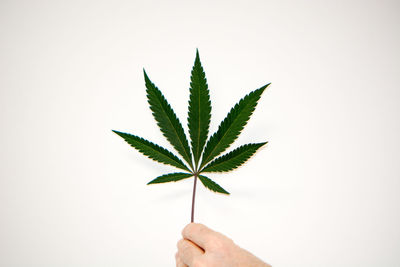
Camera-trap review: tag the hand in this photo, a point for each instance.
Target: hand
(203, 247)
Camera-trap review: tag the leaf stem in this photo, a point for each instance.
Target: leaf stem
(194, 196)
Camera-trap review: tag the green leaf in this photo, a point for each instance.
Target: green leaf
(213, 186)
(199, 109)
(152, 150)
(231, 126)
(166, 119)
(171, 177)
(233, 159)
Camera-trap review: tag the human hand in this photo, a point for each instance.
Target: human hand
(203, 247)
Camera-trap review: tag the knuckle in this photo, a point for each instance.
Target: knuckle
(197, 262)
(192, 227)
(184, 247)
(217, 243)
(221, 243)
(186, 229)
(179, 243)
(229, 241)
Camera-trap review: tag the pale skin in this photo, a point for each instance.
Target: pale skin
(203, 247)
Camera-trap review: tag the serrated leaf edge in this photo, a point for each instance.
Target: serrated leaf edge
(185, 153)
(221, 159)
(205, 178)
(182, 174)
(209, 157)
(159, 150)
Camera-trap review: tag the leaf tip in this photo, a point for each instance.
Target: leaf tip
(265, 86)
(222, 192)
(197, 59)
(261, 90)
(146, 77)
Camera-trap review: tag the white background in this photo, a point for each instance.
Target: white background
(323, 192)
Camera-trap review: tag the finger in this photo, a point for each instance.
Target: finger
(188, 252)
(200, 234)
(179, 262)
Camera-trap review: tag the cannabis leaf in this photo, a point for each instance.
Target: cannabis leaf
(231, 126)
(171, 177)
(152, 150)
(233, 159)
(210, 184)
(202, 155)
(167, 121)
(199, 109)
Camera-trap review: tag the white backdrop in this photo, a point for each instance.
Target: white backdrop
(323, 192)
